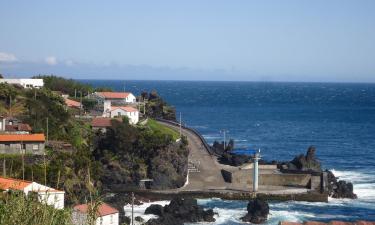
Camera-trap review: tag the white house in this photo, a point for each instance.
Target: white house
(130, 112)
(106, 215)
(115, 97)
(26, 83)
(45, 194)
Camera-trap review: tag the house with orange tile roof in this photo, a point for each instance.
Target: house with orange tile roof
(47, 195)
(11, 125)
(72, 104)
(106, 214)
(120, 111)
(102, 123)
(119, 97)
(22, 143)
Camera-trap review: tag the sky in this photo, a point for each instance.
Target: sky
(289, 40)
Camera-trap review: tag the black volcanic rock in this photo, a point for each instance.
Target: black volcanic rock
(257, 211)
(155, 209)
(306, 162)
(339, 188)
(180, 211)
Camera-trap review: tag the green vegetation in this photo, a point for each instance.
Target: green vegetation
(15, 208)
(156, 107)
(133, 153)
(67, 86)
(157, 127)
(99, 162)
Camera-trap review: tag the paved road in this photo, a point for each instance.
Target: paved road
(209, 176)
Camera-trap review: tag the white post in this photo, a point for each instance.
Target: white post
(255, 172)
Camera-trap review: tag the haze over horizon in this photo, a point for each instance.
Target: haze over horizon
(302, 41)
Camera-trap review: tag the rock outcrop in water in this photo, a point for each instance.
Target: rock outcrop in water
(309, 163)
(306, 162)
(257, 211)
(178, 212)
(339, 188)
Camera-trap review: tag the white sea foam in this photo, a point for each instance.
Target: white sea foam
(363, 183)
(139, 210)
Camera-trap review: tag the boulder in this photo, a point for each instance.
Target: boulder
(306, 162)
(180, 211)
(257, 211)
(155, 210)
(339, 188)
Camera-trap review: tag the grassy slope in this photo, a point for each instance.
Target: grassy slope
(155, 126)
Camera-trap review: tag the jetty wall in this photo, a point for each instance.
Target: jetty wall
(245, 177)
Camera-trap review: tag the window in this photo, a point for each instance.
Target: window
(7, 145)
(35, 147)
(119, 114)
(23, 146)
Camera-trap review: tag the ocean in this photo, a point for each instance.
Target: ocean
(283, 120)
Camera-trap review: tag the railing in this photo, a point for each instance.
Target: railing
(204, 142)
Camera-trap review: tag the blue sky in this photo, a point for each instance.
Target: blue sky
(190, 40)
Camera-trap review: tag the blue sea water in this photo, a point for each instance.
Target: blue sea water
(284, 119)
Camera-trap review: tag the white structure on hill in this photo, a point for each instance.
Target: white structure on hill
(26, 83)
(45, 194)
(106, 215)
(115, 97)
(120, 111)
(130, 112)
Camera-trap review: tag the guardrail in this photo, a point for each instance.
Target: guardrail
(205, 144)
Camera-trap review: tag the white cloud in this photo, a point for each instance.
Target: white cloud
(7, 57)
(51, 60)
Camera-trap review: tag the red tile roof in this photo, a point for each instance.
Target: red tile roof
(125, 108)
(18, 127)
(113, 95)
(333, 222)
(102, 122)
(103, 210)
(13, 184)
(71, 103)
(22, 137)
(313, 223)
(289, 223)
(361, 222)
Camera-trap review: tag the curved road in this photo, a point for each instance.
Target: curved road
(209, 176)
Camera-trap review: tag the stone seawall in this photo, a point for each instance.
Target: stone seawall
(245, 177)
(232, 195)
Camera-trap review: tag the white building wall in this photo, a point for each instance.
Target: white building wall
(26, 83)
(133, 116)
(111, 219)
(106, 107)
(130, 98)
(53, 198)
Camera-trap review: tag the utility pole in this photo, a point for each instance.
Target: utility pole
(4, 168)
(47, 129)
(10, 105)
(23, 159)
(80, 105)
(132, 208)
(75, 94)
